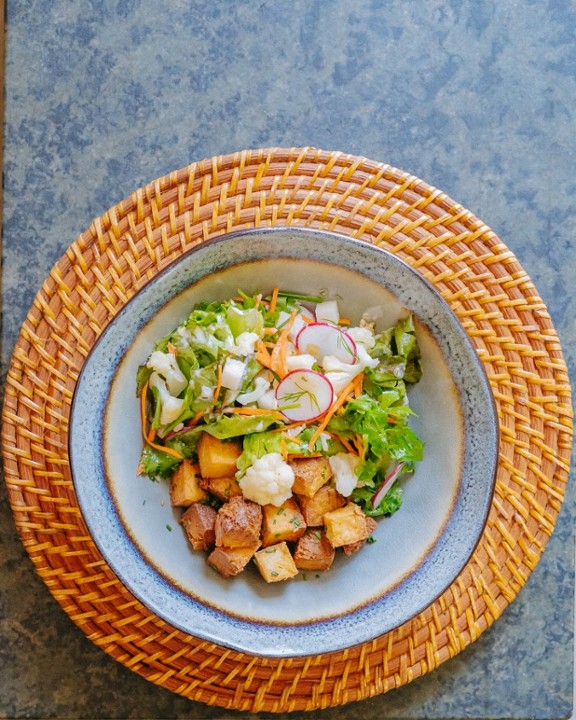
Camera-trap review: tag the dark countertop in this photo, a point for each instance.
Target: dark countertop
(477, 99)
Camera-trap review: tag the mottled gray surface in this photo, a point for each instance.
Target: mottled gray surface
(474, 96)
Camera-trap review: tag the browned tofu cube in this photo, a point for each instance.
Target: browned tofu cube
(223, 488)
(354, 547)
(275, 563)
(217, 458)
(185, 487)
(346, 525)
(314, 551)
(230, 561)
(238, 523)
(310, 474)
(323, 501)
(199, 522)
(284, 523)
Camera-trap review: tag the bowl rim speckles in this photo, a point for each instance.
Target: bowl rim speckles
(198, 604)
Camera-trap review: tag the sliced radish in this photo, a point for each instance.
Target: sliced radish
(304, 395)
(389, 480)
(321, 339)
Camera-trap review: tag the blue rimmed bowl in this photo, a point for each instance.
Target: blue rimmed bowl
(418, 552)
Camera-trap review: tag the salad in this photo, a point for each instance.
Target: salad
(282, 427)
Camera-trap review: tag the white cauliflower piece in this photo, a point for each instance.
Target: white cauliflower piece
(232, 373)
(171, 406)
(328, 311)
(362, 335)
(343, 467)
(261, 386)
(244, 344)
(165, 364)
(268, 481)
(300, 361)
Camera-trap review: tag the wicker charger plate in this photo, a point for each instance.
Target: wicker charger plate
(475, 272)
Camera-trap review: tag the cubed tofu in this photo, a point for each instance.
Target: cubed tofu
(283, 523)
(238, 523)
(314, 551)
(324, 500)
(217, 458)
(185, 487)
(223, 488)
(310, 474)
(230, 561)
(346, 525)
(199, 522)
(275, 563)
(354, 547)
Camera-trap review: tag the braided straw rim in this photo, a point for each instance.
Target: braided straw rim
(125, 248)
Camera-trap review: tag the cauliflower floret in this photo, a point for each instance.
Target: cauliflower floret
(261, 386)
(165, 364)
(268, 481)
(362, 335)
(244, 344)
(171, 406)
(343, 467)
(299, 361)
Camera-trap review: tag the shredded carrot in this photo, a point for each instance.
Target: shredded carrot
(344, 321)
(196, 419)
(274, 299)
(171, 348)
(345, 442)
(270, 331)
(262, 355)
(359, 444)
(358, 386)
(290, 426)
(150, 434)
(252, 411)
(340, 400)
(284, 448)
(280, 351)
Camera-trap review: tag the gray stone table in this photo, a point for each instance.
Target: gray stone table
(476, 97)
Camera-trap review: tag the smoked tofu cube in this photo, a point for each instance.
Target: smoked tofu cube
(223, 488)
(217, 458)
(238, 524)
(185, 487)
(324, 500)
(314, 551)
(354, 547)
(199, 523)
(346, 525)
(284, 523)
(275, 563)
(230, 561)
(310, 474)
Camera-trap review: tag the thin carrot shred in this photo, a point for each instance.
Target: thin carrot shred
(171, 348)
(262, 355)
(340, 400)
(295, 456)
(218, 384)
(252, 411)
(284, 448)
(345, 442)
(274, 299)
(143, 419)
(280, 351)
(344, 321)
(150, 434)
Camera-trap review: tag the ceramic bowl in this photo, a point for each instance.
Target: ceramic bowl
(418, 552)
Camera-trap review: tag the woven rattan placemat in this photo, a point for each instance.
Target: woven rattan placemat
(475, 272)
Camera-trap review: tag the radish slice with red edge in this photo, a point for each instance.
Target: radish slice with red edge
(320, 339)
(386, 485)
(304, 395)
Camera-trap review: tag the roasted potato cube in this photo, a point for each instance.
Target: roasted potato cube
(346, 525)
(185, 487)
(199, 522)
(284, 523)
(354, 547)
(223, 488)
(230, 561)
(275, 563)
(310, 474)
(314, 551)
(324, 500)
(238, 523)
(217, 458)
